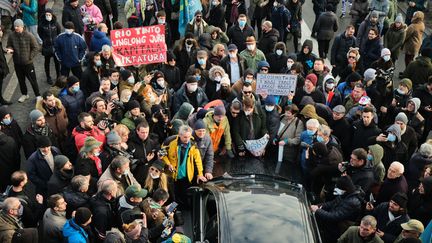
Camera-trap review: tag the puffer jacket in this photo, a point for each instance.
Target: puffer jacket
(74, 233)
(342, 208)
(362, 176)
(75, 200)
(80, 135)
(24, 45)
(99, 39)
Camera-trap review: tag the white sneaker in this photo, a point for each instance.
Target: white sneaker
(23, 98)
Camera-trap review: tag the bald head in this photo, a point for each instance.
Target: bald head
(395, 170)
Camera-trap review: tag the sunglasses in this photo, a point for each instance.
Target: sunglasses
(247, 92)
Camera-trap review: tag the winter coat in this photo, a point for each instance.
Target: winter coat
(73, 233)
(316, 95)
(217, 17)
(420, 205)
(58, 181)
(394, 39)
(336, 97)
(363, 31)
(362, 176)
(216, 131)
(38, 170)
(8, 226)
(280, 18)
(309, 111)
(29, 12)
(238, 36)
(268, 41)
(307, 60)
(339, 130)
(340, 48)
(194, 164)
(99, 39)
(9, 159)
(419, 71)
(225, 64)
(29, 141)
(24, 46)
(390, 187)
(89, 82)
(289, 131)
(277, 63)
(74, 104)
(180, 97)
(242, 127)
(84, 166)
(53, 223)
(415, 169)
(351, 235)
(104, 6)
(79, 134)
(73, 15)
(103, 215)
(70, 49)
(172, 75)
(414, 35)
(75, 200)
(48, 32)
(94, 12)
(326, 26)
(359, 10)
(130, 8)
(122, 183)
(391, 229)
(380, 6)
(57, 120)
(252, 58)
(205, 148)
(296, 16)
(370, 52)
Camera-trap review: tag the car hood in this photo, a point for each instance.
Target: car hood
(259, 208)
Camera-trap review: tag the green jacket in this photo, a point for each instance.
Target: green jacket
(252, 61)
(241, 127)
(8, 226)
(394, 38)
(216, 131)
(351, 235)
(130, 8)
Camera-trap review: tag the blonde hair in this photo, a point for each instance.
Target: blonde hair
(216, 48)
(121, 130)
(163, 182)
(124, 94)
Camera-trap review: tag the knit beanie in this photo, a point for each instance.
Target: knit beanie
(399, 19)
(113, 138)
(199, 124)
(71, 80)
(369, 74)
(406, 82)
(82, 215)
(402, 118)
(18, 23)
(313, 78)
(133, 104)
(60, 161)
(401, 199)
(385, 51)
(34, 115)
(219, 110)
(4, 110)
(43, 142)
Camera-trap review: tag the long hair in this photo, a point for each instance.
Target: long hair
(163, 182)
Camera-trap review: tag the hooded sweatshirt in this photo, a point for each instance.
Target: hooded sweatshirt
(377, 153)
(306, 59)
(309, 111)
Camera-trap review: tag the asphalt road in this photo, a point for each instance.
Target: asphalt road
(20, 111)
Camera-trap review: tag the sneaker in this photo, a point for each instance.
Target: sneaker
(23, 98)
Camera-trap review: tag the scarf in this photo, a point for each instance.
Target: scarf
(43, 131)
(98, 163)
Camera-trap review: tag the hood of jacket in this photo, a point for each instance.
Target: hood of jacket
(377, 152)
(99, 34)
(309, 44)
(71, 228)
(216, 69)
(184, 112)
(309, 111)
(417, 102)
(40, 107)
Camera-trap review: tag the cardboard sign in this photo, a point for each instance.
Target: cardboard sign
(257, 147)
(136, 46)
(276, 84)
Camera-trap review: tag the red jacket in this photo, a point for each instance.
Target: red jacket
(80, 135)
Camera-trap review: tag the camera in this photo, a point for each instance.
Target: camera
(344, 166)
(162, 152)
(118, 104)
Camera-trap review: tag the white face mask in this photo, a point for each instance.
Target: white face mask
(115, 83)
(154, 176)
(279, 52)
(96, 154)
(338, 192)
(269, 108)
(192, 87)
(126, 172)
(330, 85)
(218, 78)
(152, 99)
(289, 65)
(161, 21)
(131, 80)
(386, 58)
(251, 47)
(232, 55)
(247, 113)
(48, 18)
(400, 91)
(275, 4)
(161, 83)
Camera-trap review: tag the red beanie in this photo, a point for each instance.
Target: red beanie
(313, 78)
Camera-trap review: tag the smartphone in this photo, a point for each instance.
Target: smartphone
(172, 207)
(385, 134)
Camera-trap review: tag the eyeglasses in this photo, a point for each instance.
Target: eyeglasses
(154, 169)
(352, 57)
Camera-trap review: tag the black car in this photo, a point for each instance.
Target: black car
(252, 208)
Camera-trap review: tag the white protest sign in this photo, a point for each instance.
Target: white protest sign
(276, 84)
(257, 147)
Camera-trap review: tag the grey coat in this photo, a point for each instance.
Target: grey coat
(394, 38)
(205, 147)
(53, 226)
(291, 136)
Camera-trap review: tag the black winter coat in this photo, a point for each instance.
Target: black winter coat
(89, 82)
(360, 134)
(316, 95)
(58, 181)
(415, 169)
(29, 141)
(390, 187)
(362, 176)
(74, 105)
(268, 41)
(48, 32)
(103, 214)
(73, 15)
(340, 48)
(180, 97)
(172, 76)
(75, 200)
(217, 17)
(277, 63)
(272, 123)
(391, 229)
(371, 52)
(4, 68)
(326, 26)
(9, 159)
(238, 36)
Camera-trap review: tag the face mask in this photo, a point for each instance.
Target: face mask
(98, 63)
(310, 132)
(161, 83)
(338, 192)
(320, 139)
(128, 98)
(115, 83)
(242, 23)
(20, 211)
(96, 154)
(218, 78)
(7, 121)
(201, 61)
(48, 18)
(250, 47)
(269, 108)
(126, 172)
(391, 137)
(386, 58)
(154, 176)
(330, 85)
(75, 89)
(400, 91)
(369, 157)
(248, 113)
(68, 31)
(161, 21)
(275, 4)
(289, 65)
(248, 81)
(131, 80)
(279, 52)
(192, 87)
(232, 55)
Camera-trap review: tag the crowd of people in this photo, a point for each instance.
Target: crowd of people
(110, 151)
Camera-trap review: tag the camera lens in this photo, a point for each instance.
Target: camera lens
(189, 42)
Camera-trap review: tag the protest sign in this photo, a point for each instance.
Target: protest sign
(276, 84)
(257, 147)
(136, 46)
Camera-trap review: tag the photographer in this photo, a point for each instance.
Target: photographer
(144, 150)
(118, 111)
(112, 148)
(160, 123)
(359, 169)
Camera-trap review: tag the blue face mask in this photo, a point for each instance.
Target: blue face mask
(198, 78)
(320, 139)
(98, 63)
(369, 157)
(310, 132)
(391, 137)
(242, 23)
(75, 89)
(201, 61)
(7, 121)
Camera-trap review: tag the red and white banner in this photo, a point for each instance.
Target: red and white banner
(142, 45)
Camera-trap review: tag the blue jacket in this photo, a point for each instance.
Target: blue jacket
(30, 13)
(70, 49)
(74, 104)
(73, 233)
(98, 40)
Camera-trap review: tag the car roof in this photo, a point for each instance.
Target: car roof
(257, 208)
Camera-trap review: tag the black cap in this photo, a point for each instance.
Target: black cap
(43, 142)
